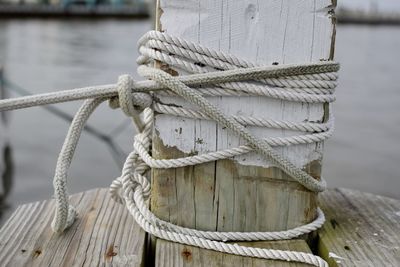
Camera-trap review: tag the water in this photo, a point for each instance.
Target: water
(44, 55)
(365, 151)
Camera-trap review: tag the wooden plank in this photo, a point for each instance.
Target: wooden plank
(169, 254)
(361, 229)
(103, 235)
(245, 193)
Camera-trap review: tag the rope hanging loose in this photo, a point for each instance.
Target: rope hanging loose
(210, 73)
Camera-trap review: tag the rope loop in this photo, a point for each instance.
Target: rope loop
(210, 73)
(132, 104)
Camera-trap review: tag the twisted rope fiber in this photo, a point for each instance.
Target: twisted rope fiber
(212, 73)
(194, 80)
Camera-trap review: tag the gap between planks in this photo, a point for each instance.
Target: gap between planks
(103, 235)
(361, 230)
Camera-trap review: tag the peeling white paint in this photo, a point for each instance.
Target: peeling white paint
(272, 37)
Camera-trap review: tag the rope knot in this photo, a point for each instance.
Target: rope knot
(304, 83)
(132, 104)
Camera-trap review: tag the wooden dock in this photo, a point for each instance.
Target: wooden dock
(345, 16)
(73, 11)
(361, 230)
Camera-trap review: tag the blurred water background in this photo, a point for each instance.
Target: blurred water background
(44, 55)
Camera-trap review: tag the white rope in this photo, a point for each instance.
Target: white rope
(211, 73)
(194, 80)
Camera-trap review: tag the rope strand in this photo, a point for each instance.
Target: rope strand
(211, 73)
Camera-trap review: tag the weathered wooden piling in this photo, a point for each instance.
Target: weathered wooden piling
(245, 193)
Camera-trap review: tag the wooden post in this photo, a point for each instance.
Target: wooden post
(244, 193)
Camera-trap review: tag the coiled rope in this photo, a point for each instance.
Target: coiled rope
(210, 73)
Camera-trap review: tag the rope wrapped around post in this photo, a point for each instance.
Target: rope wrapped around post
(211, 73)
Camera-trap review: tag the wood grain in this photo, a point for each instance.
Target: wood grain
(361, 229)
(244, 193)
(103, 235)
(170, 254)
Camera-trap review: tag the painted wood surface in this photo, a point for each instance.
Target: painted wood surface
(266, 32)
(361, 229)
(245, 193)
(103, 235)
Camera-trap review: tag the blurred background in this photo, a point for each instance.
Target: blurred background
(53, 50)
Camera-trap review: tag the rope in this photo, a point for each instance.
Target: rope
(226, 78)
(210, 73)
(116, 152)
